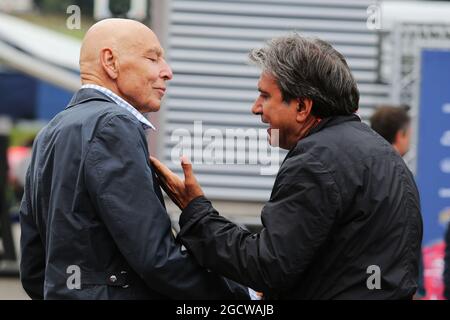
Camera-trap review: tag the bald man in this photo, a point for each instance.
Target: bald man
(94, 224)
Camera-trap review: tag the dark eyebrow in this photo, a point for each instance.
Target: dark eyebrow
(262, 91)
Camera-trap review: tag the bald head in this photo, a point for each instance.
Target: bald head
(116, 52)
(119, 35)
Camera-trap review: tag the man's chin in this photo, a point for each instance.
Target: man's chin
(155, 108)
(152, 107)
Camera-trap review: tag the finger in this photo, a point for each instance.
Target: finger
(161, 168)
(167, 180)
(163, 184)
(168, 191)
(187, 169)
(155, 162)
(159, 177)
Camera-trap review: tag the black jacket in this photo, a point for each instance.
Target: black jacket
(91, 204)
(343, 204)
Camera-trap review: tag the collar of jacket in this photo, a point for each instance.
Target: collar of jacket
(332, 121)
(326, 122)
(84, 95)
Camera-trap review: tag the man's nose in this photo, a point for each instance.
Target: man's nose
(257, 107)
(166, 71)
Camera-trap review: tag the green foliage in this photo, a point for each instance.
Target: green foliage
(53, 14)
(117, 7)
(22, 135)
(53, 6)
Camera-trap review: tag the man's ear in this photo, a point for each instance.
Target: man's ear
(108, 60)
(399, 136)
(304, 107)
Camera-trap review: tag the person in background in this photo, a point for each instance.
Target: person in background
(394, 124)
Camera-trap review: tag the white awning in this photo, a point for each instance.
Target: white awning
(40, 52)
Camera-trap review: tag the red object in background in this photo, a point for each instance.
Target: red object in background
(16, 155)
(433, 259)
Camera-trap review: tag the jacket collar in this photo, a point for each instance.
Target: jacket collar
(332, 121)
(326, 122)
(84, 95)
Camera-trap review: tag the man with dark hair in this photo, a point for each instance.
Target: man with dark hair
(343, 220)
(394, 125)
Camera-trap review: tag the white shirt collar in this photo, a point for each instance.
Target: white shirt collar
(121, 103)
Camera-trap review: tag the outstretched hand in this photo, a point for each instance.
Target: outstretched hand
(181, 192)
